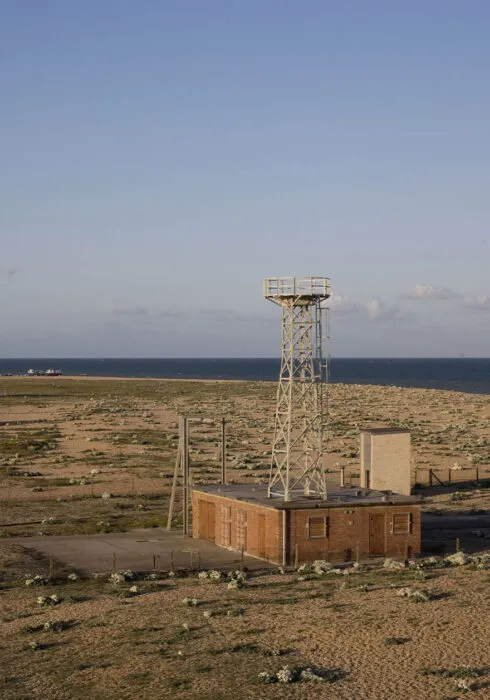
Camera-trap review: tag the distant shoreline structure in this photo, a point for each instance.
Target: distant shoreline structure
(44, 372)
(34, 373)
(471, 375)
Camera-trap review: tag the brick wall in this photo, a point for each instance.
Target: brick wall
(257, 528)
(350, 530)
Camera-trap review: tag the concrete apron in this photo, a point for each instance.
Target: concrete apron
(138, 550)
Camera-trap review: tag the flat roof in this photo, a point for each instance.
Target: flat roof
(383, 431)
(337, 497)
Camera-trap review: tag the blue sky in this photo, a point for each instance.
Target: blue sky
(159, 158)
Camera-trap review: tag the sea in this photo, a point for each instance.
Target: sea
(458, 374)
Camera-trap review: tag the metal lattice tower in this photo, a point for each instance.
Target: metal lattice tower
(297, 452)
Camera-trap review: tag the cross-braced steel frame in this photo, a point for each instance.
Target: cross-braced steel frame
(297, 453)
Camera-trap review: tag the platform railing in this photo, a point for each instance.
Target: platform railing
(317, 287)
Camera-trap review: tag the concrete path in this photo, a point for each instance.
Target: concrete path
(135, 550)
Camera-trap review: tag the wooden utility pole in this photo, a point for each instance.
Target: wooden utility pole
(182, 469)
(178, 461)
(223, 451)
(185, 467)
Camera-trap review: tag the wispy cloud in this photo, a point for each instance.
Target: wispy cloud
(374, 310)
(428, 292)
(378, 311)
(136, 311)
(342, 305)
(479, 303)
(169, 314)
(230, 316)
(189, 315)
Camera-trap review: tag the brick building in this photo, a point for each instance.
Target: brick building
(351, 523)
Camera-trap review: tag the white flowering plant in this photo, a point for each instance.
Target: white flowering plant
(304, 569)
(393, 565)
(54, 626)
(266, 677)
(457, 559)
(427, 563)
(53, 599)
(287, 675)
(294, 675)
(236, 580)
(235, 612)
(415, 595)
(464, 685)
(320, 566)
(122, 576)
(190, 602)
(36, 580)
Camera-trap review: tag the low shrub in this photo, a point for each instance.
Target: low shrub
(304, 675)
